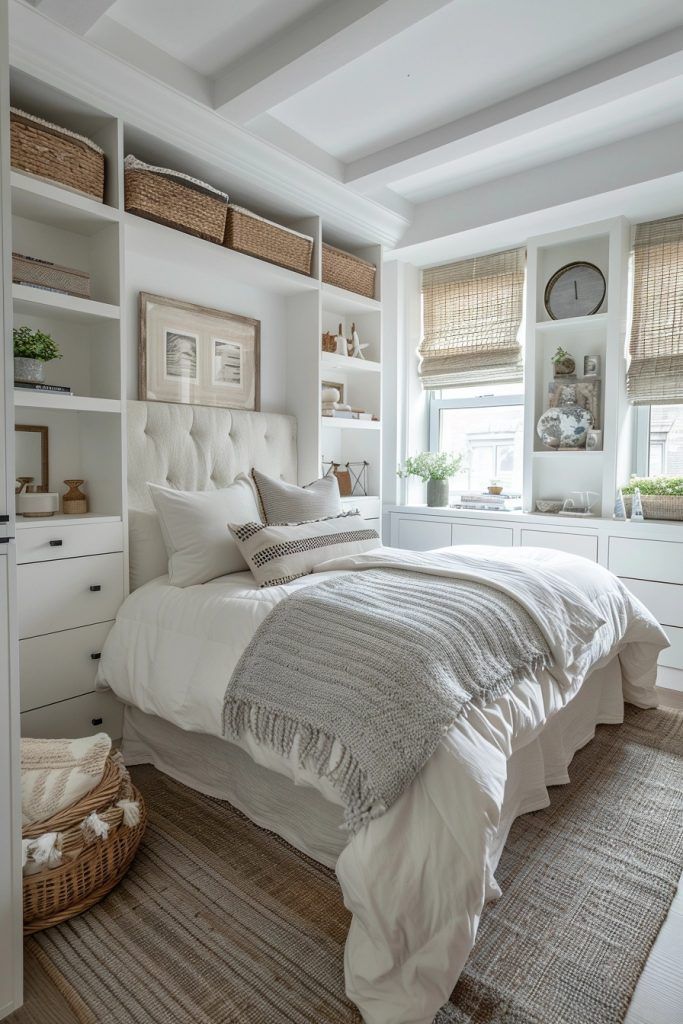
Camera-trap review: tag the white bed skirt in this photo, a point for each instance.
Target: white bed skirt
(302, 816)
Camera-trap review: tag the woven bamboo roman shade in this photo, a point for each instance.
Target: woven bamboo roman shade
(655, 373)
(472, 311)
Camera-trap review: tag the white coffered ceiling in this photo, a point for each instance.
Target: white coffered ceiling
(420, 105)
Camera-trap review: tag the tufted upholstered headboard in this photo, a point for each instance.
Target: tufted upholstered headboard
(194, 448)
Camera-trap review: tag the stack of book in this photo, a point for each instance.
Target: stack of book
(58, 389)
(485, 502)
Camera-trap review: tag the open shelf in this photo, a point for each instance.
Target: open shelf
(28, 301)
(338, 423)
(42, 201)
(72, 403)
(572, 323)
(349, 302)
(572, 452)
(330, 361)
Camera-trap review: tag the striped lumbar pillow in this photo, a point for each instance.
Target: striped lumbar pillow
(279, 554)
(286, 503)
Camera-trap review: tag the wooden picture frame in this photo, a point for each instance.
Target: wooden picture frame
(197, 355)
(44, 484)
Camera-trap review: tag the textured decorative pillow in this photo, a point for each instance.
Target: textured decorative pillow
(286, 503)
(279, 554)
(57, 773)
(193, 525)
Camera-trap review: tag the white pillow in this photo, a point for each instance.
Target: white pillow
(194, 528)
(286, 503)
(147, 552)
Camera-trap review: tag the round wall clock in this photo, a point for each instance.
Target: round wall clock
(577, 289)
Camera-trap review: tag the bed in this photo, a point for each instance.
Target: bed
(416, 877)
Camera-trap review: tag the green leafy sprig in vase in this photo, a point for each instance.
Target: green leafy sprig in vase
(32, 349)
(435, 469)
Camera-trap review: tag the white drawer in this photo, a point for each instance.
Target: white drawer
(60, 665)
(80, 716)
(664, 600)
(40, 543)
(422, 534)
(573, 543)
(672, 657)
(660, 560)
(474, 533)
(71, 592)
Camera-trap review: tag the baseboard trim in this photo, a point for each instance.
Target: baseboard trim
(670, 698)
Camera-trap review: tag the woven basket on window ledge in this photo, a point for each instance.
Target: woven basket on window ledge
(658, 506)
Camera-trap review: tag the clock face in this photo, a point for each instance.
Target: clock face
(575, 290)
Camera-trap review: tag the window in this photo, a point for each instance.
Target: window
(486, 426)
(659, 440)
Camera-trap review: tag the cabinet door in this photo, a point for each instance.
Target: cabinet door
(423, 534)
(475, 533)
(585, 545)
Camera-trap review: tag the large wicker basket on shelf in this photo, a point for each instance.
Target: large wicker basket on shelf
(248, 233)
(175, 200)
(42, 274)
(347, 271)
(658, 506)
(47, 151)
(91, 867)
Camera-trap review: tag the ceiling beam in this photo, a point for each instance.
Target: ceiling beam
(625, 74)
(77, 15)
(311, 48)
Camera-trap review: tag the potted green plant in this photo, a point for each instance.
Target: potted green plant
(661, 496)
(32, 349)
(563, 364)
(435, 469)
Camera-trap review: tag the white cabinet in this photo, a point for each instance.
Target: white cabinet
(73, 592)
(47, 543)
(658, 560)
(573, 543)
(79, 716)
(422, 534)
(664, 600)
(474, 533)
(60, 665)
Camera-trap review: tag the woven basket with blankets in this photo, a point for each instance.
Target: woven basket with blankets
(82, 823)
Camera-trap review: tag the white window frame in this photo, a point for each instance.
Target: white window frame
(641, 440)
(478, 402)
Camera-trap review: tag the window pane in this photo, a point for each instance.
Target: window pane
(666, 440)
(490, 439)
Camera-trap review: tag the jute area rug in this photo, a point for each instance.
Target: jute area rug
(219, 921)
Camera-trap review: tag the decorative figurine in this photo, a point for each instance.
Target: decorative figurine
(620, 507)
(341, 343)
(74, 502)
(355, 347)
(637, 507)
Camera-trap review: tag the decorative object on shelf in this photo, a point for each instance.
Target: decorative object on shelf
(591, 366)
(566, 425)
(329, 342)
(344, 480)
(549, 506)
(358, 472)
(174, 199)
(332, 400)
(47, 151)
(495, 487)
(594, 441)
(355, 349)
(253, 235)
(661, 497)
(34, 501)
(585, 392)
(74, 502)
(435, 469)
(37, 273)
(31, 454)
(342, 348)
(577, 289)
(637, 515)
(564, 365)
(32, 349)
(344, 270)
(195, 355)
(620, 507)
(581, 505)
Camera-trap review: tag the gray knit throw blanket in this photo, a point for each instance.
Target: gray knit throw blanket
(366, 672)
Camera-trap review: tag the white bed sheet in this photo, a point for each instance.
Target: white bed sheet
(416, 878)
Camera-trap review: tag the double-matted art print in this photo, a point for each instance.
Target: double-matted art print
(198, 356)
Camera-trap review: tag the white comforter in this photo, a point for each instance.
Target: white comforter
(415, 879)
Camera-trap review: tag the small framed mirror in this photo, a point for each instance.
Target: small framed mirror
(31, 455)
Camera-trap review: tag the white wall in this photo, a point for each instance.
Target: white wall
(172, 264)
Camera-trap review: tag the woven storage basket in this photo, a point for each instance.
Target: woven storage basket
(40, 274)
(89, 869)
(47, 151)
(248, 233)
(347, 271)
(175, 201)
(658, 506)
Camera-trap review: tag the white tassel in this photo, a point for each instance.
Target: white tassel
(95, 825)
(131, 812)
(43, 852)
(25, 847)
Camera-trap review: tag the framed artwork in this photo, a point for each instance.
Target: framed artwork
(196, 355)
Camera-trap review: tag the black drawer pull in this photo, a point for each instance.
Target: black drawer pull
(97, 721)
(96, 656)
(56, 543)
(95, 588)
